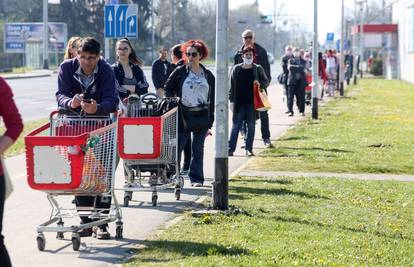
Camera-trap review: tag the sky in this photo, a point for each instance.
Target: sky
(329, 12)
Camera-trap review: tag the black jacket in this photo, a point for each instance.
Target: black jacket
(142, 84)
(160, 72)
(234, 94)
(176, 65)
(296, 68)
(174, 85)
(262, 59)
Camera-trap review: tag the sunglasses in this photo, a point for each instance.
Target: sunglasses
(247, 37)
(194, 54)
(123, 48)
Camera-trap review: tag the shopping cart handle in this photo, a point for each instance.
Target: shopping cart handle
(149, 98)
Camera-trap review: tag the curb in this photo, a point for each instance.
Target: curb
(26, 76)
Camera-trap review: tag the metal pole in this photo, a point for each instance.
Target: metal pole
(341, 53)
(45, 37)
(107, 52)
(221, 171)
(173, 21)
(354, 51)
(361, 38)
(315, 62)
(153, 32)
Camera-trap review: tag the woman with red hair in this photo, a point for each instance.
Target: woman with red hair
(194, 85)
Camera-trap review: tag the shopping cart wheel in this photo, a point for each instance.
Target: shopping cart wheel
(177, 193)
(181, 181)
(75, 241)
(59, 235)
(41, 241)
(119, 230)
(127, 198)
(154, 200)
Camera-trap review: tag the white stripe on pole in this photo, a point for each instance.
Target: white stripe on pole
(54, 2)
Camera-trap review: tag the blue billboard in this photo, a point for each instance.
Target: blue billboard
(16, 35)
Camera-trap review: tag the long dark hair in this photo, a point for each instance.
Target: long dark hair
(133, 58)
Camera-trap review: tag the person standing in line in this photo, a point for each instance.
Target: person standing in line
(284, 60)
(71, 49)
(243, 77)
(296, 82)
(160, 71)
(260, 58)
(14, 127)
(176, 61)
(86, 84)
(194, 85)
(129, 76)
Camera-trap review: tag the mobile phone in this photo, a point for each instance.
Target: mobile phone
(89, 101)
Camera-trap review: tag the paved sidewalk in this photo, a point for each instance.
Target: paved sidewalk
(358, 176)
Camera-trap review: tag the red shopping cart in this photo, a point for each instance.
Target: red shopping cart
(73, 155)
(148, 145)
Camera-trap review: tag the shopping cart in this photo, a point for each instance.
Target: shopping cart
(148, 145)
(73, 155)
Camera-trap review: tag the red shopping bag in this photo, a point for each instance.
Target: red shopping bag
(261, 100)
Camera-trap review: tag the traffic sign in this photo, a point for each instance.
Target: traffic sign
(121, 21)
(330, 36)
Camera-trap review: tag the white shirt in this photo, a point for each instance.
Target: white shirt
(195, 90)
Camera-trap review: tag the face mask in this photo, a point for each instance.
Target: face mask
(247, 61)
(296, 54)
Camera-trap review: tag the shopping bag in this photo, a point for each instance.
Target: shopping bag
(261, 100)
(7, 181)
(94, 178)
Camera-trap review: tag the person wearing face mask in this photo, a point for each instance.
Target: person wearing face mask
(194, 85)
(284, 60)
(296, 82)
(260, 58)
(241, 97)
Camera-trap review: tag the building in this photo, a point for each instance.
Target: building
(403, 14)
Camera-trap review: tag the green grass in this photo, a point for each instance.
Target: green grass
(369, 131)
(17, 71)
(295, 222)
(18, 146)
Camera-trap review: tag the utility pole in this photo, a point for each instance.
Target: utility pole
(315, 62)
(274, 28)
(220, 197)
(173, 21)
(361, 36)
(341, 58)
(153, 31)
(354, 51)
(45, 36)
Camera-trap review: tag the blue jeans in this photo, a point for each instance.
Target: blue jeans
(245, 113)
(196, 173)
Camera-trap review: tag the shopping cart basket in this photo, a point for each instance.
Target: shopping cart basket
(73, 155)
(148, 145)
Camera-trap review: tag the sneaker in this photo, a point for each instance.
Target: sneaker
(103, 233)
(231, 154)
(196, 184)
(267, 143)
(302, 114)
(86, 232)
(185, 172)
(290, 114)
(249, 153)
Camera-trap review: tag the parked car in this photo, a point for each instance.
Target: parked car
(271, 58)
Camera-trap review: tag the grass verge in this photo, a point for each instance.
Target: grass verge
(295, 222)
(18, 146)
(368, 131)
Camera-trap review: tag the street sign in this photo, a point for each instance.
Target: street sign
(330, 37)
(121, 21)
(18, 34)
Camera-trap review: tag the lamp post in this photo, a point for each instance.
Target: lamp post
(315, 60)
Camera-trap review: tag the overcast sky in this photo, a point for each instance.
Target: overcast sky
(329, 12)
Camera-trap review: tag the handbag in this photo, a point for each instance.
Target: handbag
(261, 100)
(7, 181)
(195, 119)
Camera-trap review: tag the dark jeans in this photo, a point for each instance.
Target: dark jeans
(245, 115)
(89, 201)
(264, 124)
(299, 92)
(187, 154)
(4, 256)
(196, 173)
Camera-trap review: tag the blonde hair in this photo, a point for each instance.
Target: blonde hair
(75, 40)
